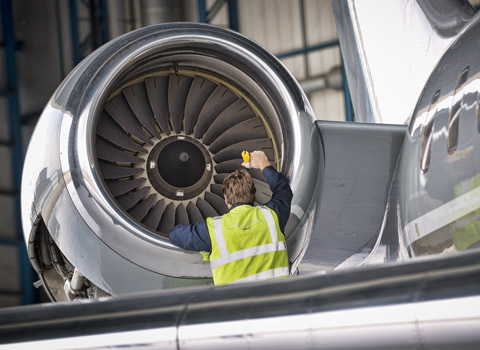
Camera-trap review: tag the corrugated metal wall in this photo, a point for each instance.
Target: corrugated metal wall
(45, 56)
(277, 26)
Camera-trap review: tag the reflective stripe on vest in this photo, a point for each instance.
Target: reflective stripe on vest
(247, 253)
(269, 274)
(227, 258)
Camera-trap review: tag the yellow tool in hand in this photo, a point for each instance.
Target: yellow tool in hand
(246, 159)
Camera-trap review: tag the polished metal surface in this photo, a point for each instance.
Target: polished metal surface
(430, 303)
(360, 164)
(439, 175)
(62, 184)
(447, 17)
(390, 48)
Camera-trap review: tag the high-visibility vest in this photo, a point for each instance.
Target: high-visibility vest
(247, 245)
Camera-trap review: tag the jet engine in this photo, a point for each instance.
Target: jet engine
(139, 137)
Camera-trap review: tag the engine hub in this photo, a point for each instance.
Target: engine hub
(179, 167)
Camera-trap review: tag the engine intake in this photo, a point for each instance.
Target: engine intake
(139, 137)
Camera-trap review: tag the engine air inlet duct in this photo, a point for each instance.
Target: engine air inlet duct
(139, 138)
(165, 144)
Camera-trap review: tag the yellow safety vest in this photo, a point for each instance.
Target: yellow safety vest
(247, 245)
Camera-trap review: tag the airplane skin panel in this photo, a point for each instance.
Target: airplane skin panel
(360, 163)
(427, 303)
(390, 49)
(439, 174)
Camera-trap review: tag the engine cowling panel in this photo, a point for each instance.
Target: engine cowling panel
(145, 129)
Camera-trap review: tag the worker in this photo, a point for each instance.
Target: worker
(247, 243)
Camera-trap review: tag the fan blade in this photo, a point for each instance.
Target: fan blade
(229, 166)
(206, 209)
(128, 200)
(141, 209)
(178, 87)
(157, 92)
(194, 214)
(112, 132)
(216, 103)
(181, 216)
(263, 193)
(257, 174)
(167, 223)
(225, 168)
(119, 187)
(217, 189)
(235, 151)
(218, 203)
(198, 94)
(247, 130)
(237, 112)
(153, 217)
(113, 171)
(107, 151)
(137, 99)
(218, 178)
(120, 111)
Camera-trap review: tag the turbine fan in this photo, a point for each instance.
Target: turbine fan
(165, 144)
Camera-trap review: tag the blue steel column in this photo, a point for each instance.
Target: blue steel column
(347, 97)
(321, 46)
(104, 21)
(98, 19)
(74, 32)
(16, 140)
(202, 11)
(304, 38)
(204, 14)
(233, 15)
(60, 40)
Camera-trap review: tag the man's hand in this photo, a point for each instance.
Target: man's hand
(258, 160)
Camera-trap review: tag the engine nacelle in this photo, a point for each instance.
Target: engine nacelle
(139, 137)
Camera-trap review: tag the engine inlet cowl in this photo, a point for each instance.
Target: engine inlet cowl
(145, 130)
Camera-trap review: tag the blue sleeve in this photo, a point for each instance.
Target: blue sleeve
(282, 195)
(192, 237)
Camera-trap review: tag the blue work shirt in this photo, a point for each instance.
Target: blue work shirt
(195, 236)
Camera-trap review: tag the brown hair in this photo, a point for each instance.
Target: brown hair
(238, 188)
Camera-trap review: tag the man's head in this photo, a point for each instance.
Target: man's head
(238, 188)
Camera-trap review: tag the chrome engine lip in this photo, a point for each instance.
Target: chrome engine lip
(83, 183)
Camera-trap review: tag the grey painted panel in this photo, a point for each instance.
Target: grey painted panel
(7, 300)
(4, 132)
(7, 216)
(6, 182)
(381, 307)
(360, 160)
(38, 63)
(9, 274)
